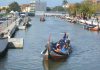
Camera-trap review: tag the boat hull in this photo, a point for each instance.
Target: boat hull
(94, 29)
(91, 27)
(56, 56)
(47, 54)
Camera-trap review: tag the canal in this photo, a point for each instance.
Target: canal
(85, 44)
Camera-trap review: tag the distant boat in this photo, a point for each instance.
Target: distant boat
(96, 28)
(58, 50)
(3, 44)
(42, 18)
(91, 27)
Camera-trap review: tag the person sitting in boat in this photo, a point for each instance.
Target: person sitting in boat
(58, 48)
(63, 50)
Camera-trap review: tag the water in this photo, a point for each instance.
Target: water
(85, 44)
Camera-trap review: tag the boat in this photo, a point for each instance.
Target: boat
(96, 28)
(58, 50)
(42, 18)
(3, 44)
(91, 27)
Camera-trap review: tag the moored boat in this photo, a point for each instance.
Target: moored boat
(91, 27)
(42, 18)
(96, 28)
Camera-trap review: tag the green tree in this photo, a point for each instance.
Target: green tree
(58, 8)
(98, 7)
(4, 8)
(48, 9)
(72, 10)
(14, 6)
(65, 2)
(7, 10)
(88, 8)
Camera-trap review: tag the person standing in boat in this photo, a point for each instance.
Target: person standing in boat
(65, 38)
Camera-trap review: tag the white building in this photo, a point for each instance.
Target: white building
(32, 6)
(25, 7)
(40, 7)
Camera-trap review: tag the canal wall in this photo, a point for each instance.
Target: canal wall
(25, 23)
(7, 33)
(15, 43)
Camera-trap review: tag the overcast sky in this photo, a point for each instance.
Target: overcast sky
(49, 2)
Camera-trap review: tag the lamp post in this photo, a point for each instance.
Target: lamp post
(65, 7)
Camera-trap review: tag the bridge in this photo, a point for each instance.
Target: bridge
(54, 14)
(50, 13)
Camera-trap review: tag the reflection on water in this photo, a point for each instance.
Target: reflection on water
(55, 65)
(45, 65)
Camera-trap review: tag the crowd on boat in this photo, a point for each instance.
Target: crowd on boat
(62, 44)
(58, 50)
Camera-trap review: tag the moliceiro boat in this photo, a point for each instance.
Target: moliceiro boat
(3, 44)
(58, 50)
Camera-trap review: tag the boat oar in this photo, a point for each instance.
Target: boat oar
(42, 52)
(48, 43)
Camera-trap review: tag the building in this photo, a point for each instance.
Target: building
(40, 7)
(94, 1)
(3, 9)
(98, 1)
(32, 6)
(28, 7)
(25, 7)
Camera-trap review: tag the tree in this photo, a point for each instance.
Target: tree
(7, 10)
(14, 6)
(58, 8)
(4, 8)
(65, 2)
(87, 8)
(72, 10)
(48, 9)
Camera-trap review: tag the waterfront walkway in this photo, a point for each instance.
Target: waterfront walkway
(9, 27)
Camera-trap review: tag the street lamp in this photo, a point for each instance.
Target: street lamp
(65, 7)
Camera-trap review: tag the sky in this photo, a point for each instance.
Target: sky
(49, 2)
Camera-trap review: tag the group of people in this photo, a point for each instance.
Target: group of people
(62, 44)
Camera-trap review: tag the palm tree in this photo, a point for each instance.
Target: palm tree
(65, 2)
